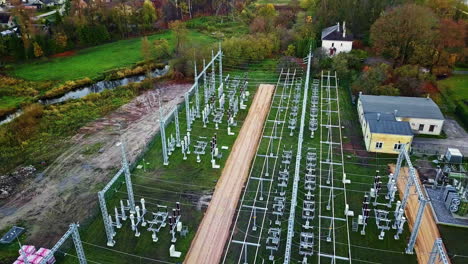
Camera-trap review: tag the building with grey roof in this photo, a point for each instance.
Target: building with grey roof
(389, 122)
(422, 114)
(384, 133)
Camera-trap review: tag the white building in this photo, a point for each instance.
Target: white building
(422, 114)
(336, 40)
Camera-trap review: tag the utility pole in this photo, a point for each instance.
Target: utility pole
(162, 128)
(290, 233)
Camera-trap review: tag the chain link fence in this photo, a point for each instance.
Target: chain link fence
(431, 149)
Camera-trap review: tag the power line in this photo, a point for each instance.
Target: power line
(128, 254)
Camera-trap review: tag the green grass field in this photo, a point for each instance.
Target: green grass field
(92, 62)
(11, 101)
(457, 84)
(219, 26)
(454, 94)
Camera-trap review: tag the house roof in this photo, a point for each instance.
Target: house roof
(390, 127)
(33, 2)
(415, 107)
(380, 116)
(335, 33)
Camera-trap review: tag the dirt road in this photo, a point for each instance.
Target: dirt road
(208, 245)
(428, 231)
(67, 191)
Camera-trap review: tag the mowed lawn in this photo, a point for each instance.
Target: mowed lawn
(92, 62)
(458, 85)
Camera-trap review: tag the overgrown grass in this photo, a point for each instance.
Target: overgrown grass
(11, 101)
(37, 137)
(93, 149)
(92, 62)
(218, 26)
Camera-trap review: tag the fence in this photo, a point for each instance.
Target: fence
(431, 149)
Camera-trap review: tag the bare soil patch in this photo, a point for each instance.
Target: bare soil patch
(67, 191)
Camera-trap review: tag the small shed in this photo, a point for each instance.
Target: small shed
(454, 156)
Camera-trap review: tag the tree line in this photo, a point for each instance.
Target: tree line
(84, 24)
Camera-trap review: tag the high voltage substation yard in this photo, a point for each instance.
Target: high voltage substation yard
(252, 167)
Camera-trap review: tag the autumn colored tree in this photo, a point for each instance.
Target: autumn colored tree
(258, 25)
(399, 31)
(372, 80)
(291, 51)
(24, 18)
(443, 8)
(146, 49)
(450, 42)
(268, 14)
(37, 50)
(161, 49)
(148, 15)
(121, 15)
(359, 15)
(180, 33)
(308, 5)
(267, 11)
(61, 40)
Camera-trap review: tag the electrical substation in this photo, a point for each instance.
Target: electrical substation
(270, 161)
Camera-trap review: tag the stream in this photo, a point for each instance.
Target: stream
(93, 88)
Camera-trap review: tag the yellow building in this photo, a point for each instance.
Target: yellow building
(422, 114)
(389, 121)
(383, 134)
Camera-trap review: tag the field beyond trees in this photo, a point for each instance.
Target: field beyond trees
(93, 62)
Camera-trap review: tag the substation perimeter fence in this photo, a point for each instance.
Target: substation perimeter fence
(431, 149)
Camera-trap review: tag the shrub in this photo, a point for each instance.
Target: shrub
(250, 47)
(26, 124)
(462, 113)
(66, 87)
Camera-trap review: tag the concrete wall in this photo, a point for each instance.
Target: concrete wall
(388, 141)
(341, 46)
(367, 136)
(415, 122)
(362, 120)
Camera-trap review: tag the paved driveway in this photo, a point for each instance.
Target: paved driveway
(457, 137)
